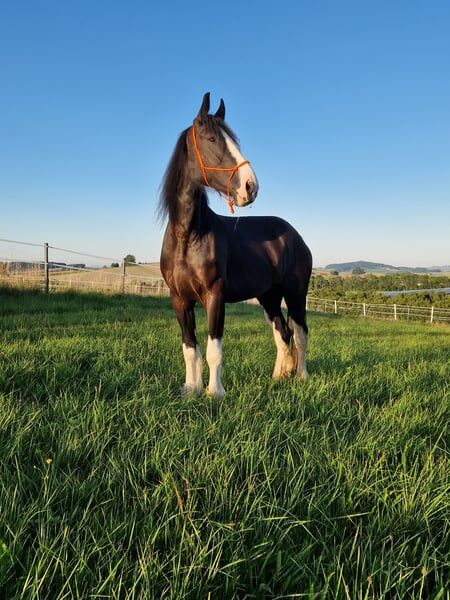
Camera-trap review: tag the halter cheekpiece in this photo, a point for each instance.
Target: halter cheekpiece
(204, 168)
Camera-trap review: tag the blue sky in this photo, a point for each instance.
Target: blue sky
(343, 109)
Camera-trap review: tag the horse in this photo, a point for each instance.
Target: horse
(213, 259)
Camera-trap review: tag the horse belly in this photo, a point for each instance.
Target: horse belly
(244, 281)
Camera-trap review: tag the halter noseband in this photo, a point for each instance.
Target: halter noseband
(204, 169)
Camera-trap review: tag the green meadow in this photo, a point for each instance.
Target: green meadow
(113, 485)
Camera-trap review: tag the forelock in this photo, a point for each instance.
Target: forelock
(217, 126)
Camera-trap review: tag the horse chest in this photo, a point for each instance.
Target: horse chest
(191, 276)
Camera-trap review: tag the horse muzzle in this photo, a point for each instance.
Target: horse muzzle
(251, 191)
(252, 188)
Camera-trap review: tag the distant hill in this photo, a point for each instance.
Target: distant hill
(372, 266)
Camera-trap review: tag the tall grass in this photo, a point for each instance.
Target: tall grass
(115, 486)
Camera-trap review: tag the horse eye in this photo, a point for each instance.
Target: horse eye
(212, 139)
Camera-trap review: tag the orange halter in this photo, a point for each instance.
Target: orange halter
(204, 168)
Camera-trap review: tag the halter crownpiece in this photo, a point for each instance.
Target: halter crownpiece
(204, 169)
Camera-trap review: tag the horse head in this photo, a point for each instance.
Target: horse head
(217, 159)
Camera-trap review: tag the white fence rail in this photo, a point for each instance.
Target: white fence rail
(53, 275)
(394, 312)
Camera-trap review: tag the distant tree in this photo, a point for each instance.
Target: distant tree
(114, 264)
(358, 271)
(334, 272)
(130, 258)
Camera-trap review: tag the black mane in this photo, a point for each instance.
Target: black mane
(173, 177)
(176, 169)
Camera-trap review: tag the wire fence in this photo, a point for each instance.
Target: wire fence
(145, 279)
(122, 276)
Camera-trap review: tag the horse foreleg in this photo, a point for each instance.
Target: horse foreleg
(216, 314)
(184, 311)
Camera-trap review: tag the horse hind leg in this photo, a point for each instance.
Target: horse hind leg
(296, 304)
(301, 345)
(285, 360)
(282, 335)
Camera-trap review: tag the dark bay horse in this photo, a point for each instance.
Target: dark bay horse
(212, 259)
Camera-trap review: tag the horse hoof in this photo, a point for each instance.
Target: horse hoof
(303, 376)
(191, 390)
(217, 393)
(280, 376)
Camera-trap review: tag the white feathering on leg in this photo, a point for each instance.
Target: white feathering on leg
(193, 360)
(284, 362)
(214, 359)
(301, 343)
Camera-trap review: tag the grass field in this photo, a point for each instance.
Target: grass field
(114, 486)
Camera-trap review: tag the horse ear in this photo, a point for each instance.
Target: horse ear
(220, 114)
(204, 108)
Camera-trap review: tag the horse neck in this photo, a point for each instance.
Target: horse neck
(192, 210)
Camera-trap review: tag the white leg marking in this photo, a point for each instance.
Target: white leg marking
(214, 358)
(284, 363)
(193, 360)
(245, 173)
(301, 342)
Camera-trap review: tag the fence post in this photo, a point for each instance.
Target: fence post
(432, 314)
(335, 307)
(46, 272)
(306, 307)
(364, 309)
(124, 274)
(395, 312)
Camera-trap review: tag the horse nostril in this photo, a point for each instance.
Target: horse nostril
(249, 186)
